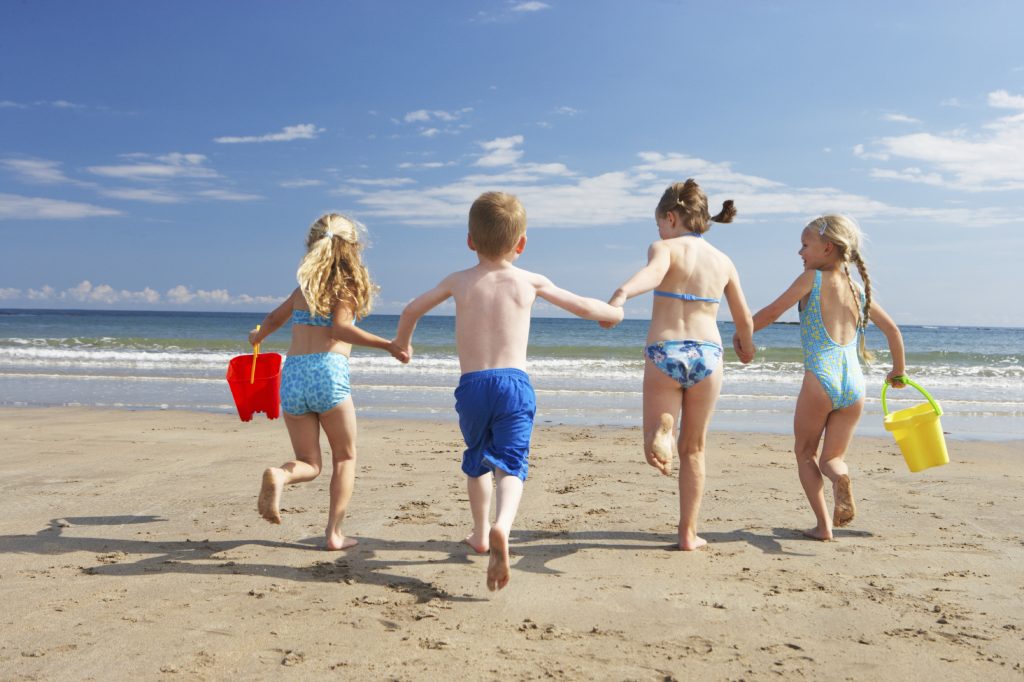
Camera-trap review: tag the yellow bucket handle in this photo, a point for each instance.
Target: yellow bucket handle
(256, 354)
(905, 379)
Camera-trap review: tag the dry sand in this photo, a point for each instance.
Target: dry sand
(130, 547)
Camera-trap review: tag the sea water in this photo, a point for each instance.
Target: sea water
(583, 374)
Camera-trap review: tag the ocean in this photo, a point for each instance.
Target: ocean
(583, 374)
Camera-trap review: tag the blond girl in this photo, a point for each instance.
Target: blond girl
(834, 313)
(334, 292)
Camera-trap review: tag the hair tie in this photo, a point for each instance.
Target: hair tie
(328, 233)
(822, 226)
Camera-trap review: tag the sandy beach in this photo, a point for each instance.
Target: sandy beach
(130, 547)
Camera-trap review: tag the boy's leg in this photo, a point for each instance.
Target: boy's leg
(813, 407)
(507, 497)
(340, 426)
(663, 397)
(479, 489)
(698, 406)
(304, 432)
(839, 431)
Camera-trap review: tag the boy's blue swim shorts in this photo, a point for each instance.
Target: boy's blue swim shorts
(496, 409)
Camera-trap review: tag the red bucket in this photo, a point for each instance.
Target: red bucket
(258, 391)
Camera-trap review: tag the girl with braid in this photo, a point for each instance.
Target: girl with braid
(334, 291)
(834, 314)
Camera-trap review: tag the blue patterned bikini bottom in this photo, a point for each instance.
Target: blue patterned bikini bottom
(688, 362)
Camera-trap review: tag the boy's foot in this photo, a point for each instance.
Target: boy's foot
(269, 502)
(817, 534)
(337, 542)
(498, 569)
(845, 509)
(477, 542)
(662, 447)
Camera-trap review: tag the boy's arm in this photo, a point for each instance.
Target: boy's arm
(580, 306)
(647, 277)
(419, 307)
(892, 333)
(797, 290)
(743, 339)
(344, 329)
(274, 320)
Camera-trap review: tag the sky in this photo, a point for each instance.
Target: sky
(172, 155)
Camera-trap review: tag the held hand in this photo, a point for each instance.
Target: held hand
(744, 354)
(894, 379)
(609, 324)
(254, 336)
(403, 355)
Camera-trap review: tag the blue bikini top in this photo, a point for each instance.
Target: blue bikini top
(303, 317)
(687, 297)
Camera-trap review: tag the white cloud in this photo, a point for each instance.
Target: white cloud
(17, 207)
(555, 196)
(530, 6)
(427, 115)
(1004, 100)
(149, 195)
(167, 166)
(87, 293)
(301, 182)
(227, 195)
(900, 118)
(303, 131)
(181, 295)
(8, 104)
(990, 158)
(567, 111)
(951, 102)
(381, 182)
(36, 170)
(501, 151)
(430, 132)
(427, 164)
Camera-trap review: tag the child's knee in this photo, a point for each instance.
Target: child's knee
(344, 455)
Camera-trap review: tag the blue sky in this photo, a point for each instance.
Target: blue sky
(170, 156)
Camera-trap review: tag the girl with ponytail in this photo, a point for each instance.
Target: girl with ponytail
(334, 292)
(834, 315)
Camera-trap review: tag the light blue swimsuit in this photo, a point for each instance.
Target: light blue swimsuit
(836, 367)
(687, 361)
(316, 382)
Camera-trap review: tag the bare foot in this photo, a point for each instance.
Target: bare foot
(845, 509)
(818, 534)
(477, 542)
(337, 542)
(498, 569)
(269, 502)
(688, 545)
(663, 445)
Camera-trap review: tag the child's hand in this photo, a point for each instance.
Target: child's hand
(254, 336)
(399, 353)
(895, 379)
(620, 313)
(744, 354)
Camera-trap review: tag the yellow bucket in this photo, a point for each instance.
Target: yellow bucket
(918, 431)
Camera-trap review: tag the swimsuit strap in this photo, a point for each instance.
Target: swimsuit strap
(685, 297)
(304, 317)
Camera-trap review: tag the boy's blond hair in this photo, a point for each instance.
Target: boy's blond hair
(496, 222)
(332, 269)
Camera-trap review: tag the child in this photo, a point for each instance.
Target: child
(683, 368)
(334, 291)
(834, 314)
(495, 400)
